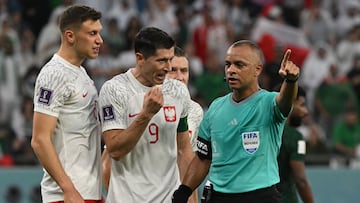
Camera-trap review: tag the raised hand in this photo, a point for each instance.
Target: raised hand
(288, 69)
(153, 100)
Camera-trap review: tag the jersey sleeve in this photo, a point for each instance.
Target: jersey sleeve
(278, 116)
(51, 91)
(297, 146)
(195, 116)
(204, 150)
(113, 105)
(185, 96)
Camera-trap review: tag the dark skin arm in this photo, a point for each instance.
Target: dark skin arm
(288, 91)
(196, 172)
(302, 184)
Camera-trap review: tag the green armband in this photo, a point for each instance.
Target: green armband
(183, 125)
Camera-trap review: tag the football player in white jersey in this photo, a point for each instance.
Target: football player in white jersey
(144, 124)
(66, 131)
(179, 71)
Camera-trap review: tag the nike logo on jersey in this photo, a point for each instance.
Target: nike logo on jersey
(133, 115)
(84, 94)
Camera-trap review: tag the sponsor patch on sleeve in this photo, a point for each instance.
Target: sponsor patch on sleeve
(45, 96)
(204, 149)
(301, 144)
(108, 113)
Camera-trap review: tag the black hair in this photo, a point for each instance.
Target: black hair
(75, 15)
(150, 39)
(179, 52)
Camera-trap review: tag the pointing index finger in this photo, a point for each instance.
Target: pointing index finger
(286, 57)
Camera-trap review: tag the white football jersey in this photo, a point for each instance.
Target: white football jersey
(66, 91)
(195, 116)
(148, 173)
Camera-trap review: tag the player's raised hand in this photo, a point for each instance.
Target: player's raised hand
(153, 100)
(288, 69)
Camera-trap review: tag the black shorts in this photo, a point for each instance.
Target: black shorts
(263, 195)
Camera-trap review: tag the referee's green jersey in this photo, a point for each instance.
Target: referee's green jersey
(245, 140)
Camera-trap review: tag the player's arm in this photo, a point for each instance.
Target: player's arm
(106, 167)
(302, 184)
(184, 150)
(120, 142)
(185, 155)
(196, 172)
(290, 72)
(43, 128)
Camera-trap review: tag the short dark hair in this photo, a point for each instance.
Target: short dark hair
(253, 46)
(75, 15)
(179, 52)
(149, 39)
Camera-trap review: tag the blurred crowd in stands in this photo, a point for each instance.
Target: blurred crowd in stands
(324, 36)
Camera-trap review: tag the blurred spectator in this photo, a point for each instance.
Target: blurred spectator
(211, 84)
(7, 30)
(104, 67)
(127, 9)
(219, 11)
(21, 124)
(211, 35)
(317, 144)
(183, 33)
(201, 32)
(114, 37)
(348, 18)
(125, 60)
(256, 6)
(131, 30)
(196, 68)
(48, 41)
(347, 48)
(292, 11)
(332, 97)
(315, 69)
(238, 17)
(36, 13)
(273, 13)
(161, 14)
(27, 51)
(317, 24)
(28, 81)
(10, 69)
(354, 76)
(346, 136)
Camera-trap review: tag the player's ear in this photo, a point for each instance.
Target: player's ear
(69, 35)
(258, 70)
(139, 58)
